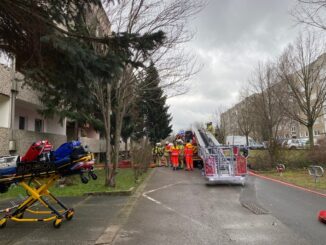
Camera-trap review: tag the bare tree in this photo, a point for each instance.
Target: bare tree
(245, 114)
(311, 13)
(220, 124)
(302, 69)
(122, 96)
(266, 92)
(173, 64)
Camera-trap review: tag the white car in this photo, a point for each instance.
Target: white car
(293, 144)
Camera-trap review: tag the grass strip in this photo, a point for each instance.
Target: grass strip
(298, 177)
(124, 181)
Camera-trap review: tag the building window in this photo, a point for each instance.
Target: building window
(307, 134)
(22, 123)
(293, 129)
(316, 132)
(38, 125)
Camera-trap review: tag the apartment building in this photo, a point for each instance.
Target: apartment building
(21, 124)
(288, 128)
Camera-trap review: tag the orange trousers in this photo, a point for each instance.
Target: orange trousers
(189, 162)
(175, 161)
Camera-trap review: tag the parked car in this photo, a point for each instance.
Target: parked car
(256, 146)
(304, 142)
(241, 140)
(293, 144)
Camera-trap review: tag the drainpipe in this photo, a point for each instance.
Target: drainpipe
(12, 142)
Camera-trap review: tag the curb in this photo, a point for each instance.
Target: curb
(287, 184)
(111, 232)
(111, 193)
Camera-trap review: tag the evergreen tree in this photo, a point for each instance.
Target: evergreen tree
(72, 68)
(153, 117)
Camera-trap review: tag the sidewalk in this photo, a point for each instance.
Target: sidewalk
(93, 214)
(97, 220)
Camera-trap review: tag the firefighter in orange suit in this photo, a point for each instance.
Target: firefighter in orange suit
(188, 151)
(175, 156)
(167, 152)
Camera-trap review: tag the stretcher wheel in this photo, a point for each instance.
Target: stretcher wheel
(84, 179)
(3, 223)
(70, 214)
(94, 176)
(57, 223)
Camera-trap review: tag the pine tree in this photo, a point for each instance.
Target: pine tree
(153, 117)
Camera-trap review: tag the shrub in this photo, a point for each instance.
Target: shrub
(292, 159)
(318, 154)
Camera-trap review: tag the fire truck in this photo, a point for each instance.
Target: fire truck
(224, 164)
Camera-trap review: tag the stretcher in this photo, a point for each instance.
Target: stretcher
(36, 172)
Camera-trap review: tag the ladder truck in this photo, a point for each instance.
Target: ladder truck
(222, 164)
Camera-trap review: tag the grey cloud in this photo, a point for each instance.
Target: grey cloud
(232, 37)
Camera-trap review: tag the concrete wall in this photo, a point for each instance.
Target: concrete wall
(94, 145)
(5, 79)
(4, 141)
(4, 111)
(25, 138)
(54, 126)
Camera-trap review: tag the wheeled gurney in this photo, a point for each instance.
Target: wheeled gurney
(36, 172)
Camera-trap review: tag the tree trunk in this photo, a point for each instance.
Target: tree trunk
(126, 146)
(311, 135)
(108, 136)
(247, 140)
(117, 136)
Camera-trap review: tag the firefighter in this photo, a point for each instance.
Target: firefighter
(167, 152)
(181, 153)
(175, 156)
(188, 155)
(157, 154)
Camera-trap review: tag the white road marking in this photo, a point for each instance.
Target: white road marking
(162, 187)
(171, 209)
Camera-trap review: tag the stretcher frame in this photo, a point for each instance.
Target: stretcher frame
(38, 195)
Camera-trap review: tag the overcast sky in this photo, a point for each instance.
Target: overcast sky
(232, 36)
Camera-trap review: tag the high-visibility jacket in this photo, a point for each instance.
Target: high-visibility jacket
(181, 149)
(157, 150)
(175, 156)
(167, 150)
(188, 151)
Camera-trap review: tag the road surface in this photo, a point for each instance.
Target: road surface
(295, 208)
(178, 208)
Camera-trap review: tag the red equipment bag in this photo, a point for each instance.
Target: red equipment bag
(322, 216)
(36, 149)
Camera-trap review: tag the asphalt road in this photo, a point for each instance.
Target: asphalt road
(92, 217)
(178, 208)
(295, 208)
